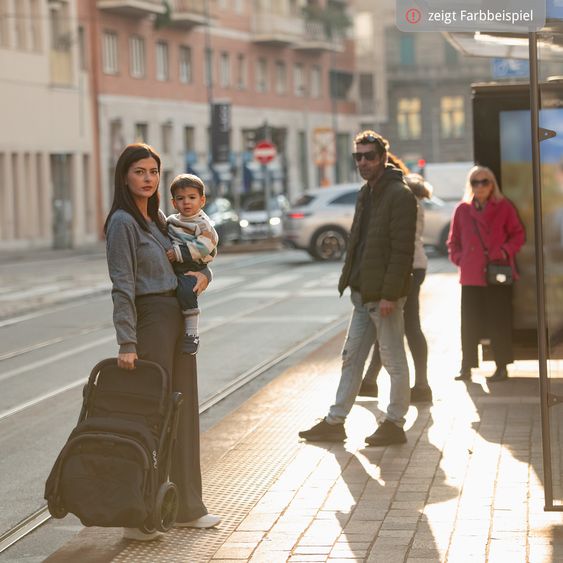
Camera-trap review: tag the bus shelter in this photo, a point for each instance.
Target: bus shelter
(518, 131)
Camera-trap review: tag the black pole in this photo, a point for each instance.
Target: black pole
(540, 273)
(209, 66)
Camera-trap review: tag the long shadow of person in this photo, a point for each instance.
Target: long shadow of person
(390, 504)
(508, 455)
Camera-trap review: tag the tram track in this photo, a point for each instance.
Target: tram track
(102, 293)
(36, 519)
(214, 299)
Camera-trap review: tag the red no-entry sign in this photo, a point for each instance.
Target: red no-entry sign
(265, 152)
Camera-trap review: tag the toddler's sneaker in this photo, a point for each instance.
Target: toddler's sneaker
(190, 344)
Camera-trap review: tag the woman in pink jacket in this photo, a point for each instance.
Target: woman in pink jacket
(484, 219)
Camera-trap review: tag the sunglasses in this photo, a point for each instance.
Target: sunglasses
(369, 138)
(477, 183)
(370, 155)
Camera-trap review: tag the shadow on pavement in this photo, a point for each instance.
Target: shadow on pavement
(385, 493)
(509, 421)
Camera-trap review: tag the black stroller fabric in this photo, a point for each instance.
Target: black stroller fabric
(110, 470)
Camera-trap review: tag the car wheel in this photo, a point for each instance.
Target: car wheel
(443, 243)
(329, 244)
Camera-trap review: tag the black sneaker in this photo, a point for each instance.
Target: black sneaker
(421, 394)
(190, 344)
(501, 374)
(324, 432)
(464, 374)
(368, 389)
(387, 434)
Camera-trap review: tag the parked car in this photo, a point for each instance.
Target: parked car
(224, 218)
(254, 223)
(320, 221)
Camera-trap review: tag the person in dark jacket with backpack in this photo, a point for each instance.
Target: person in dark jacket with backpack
(377, 269)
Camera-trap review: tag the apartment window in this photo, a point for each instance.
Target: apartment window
(241, 72)
(167, 132)
(189, 138)
(340, 84)
(239, 6)
(281, 78)
(409, 118)
(141, 132)
(208, 67)
(406, 45)
(298, 80)
(222, 5)
(185, 65)
(137, 56)
(110, 61)
(452, 117)
(225, 70)
(262, 75)
(82, 58)
(162, 61)
(316, 82)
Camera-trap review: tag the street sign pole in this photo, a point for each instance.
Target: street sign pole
(267, 195)
(267, 185)
(264, 153)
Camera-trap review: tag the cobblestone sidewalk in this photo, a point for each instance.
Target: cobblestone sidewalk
(466, 487)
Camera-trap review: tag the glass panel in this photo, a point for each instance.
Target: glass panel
(550, 59)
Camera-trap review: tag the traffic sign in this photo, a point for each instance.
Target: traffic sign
(324, 146)
(265, 152)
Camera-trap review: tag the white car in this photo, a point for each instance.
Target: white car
(320, 221)
(254, 223)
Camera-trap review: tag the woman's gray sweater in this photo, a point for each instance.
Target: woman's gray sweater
(137, 266)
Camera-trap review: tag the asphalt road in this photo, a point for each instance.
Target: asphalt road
(258, 307)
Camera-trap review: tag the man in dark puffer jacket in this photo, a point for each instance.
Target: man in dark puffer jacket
(377, 269)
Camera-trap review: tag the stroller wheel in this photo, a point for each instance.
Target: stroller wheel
(55, 508)
(166, 507)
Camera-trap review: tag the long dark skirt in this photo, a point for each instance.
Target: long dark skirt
(159, 334)
(486, 312)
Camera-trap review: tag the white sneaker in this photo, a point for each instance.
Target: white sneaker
(207, 521)
(138, 535)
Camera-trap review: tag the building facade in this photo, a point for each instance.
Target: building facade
(47, 178)
(270, 63)
(415, 88)
(81, 79)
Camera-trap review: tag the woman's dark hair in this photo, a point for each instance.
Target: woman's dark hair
(122, 198)
(397, 163)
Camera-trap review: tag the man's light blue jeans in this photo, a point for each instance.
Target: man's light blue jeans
(366, 327)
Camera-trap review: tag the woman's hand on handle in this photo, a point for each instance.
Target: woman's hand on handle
(201, 283)
(126, 361)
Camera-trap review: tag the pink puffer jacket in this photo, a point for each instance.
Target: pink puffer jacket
(501, 231)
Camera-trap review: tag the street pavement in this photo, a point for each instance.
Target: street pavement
(36, 279)
(467, 486)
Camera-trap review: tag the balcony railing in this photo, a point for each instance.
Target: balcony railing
(133, 8)
(189, 13)
(317, 38)
(272, 29)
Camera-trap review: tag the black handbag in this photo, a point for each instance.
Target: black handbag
(499, 274)
(496, 273)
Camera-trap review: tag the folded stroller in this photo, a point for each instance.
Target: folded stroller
(114, 468)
